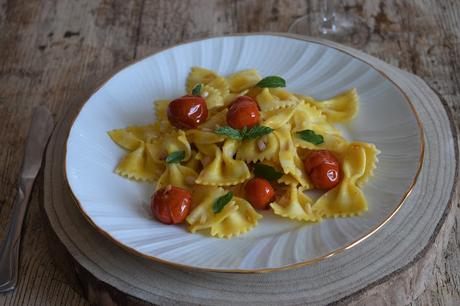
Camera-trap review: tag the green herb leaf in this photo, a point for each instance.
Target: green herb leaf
(271, 82)
(311, 136)
(175, 157)
(229, 132)
(267, 172)
(220, 202)
(252, 133)
(257, 131)
(196, 90)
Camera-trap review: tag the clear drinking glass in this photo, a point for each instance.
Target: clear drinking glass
(331, 24)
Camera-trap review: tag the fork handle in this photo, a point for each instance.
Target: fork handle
(9, 247)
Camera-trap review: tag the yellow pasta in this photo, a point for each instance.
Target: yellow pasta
(277, 118)
(264, 148)
(203, 137)
(237, 222)
(217, 162)
(288, 158)
(141, 164)
(199, 75)
(132, 136)
(177, 141)
(371, 162)
(212, 96)
(346, 199)
(341, 108)
(309, 117)
(223, 169)
(177, 175)
(295, 204)
(275, 98)
(243, 80)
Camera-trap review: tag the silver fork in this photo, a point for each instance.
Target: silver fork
(39, 133)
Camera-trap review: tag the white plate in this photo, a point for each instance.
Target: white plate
(119, 207)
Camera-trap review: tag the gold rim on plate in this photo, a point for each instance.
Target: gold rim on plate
(263, 270)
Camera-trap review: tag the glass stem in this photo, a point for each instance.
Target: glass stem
(328, 16)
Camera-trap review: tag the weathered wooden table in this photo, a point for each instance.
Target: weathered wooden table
(53, 52)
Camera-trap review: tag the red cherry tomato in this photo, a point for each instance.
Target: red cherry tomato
(323, 169)
(244, 111)
(171, 205)
(259, 192)
(187, 112)
(325, 176)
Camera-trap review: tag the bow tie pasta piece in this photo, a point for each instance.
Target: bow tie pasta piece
(142, 164)
(177, 141)
(296, 205)
(202, 215)
(203, 137)
(131, 137)
(222, 169)
(371, 162)
(236, 218)
(341, 108)
(259, 149)
(346, 199)
(243, 80)
(278, 118)
(204, 76)
(332, 142)
(237, 222)
(193, 163)
(212, 97)
(274, 98)
(309, 117)
(217, 120)
(197, 76)
(178, 176)
(288, 158)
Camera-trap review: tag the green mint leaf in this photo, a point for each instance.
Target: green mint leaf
(220, 202)
(267, 172)
(196, 90)
(271, 82)
(311, 136)
(244, 131)
(175, 157)
(257, 131)
(229, 132)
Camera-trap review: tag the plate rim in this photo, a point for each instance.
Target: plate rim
(259, 270)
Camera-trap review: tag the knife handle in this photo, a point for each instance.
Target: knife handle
(9, 247)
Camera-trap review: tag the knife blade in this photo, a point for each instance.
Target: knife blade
(38, 135)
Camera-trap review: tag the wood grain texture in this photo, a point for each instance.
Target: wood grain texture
(54, 51)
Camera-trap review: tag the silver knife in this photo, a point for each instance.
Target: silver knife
(39, 133)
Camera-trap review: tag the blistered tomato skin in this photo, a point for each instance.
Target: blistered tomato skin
(171, 205)
(323, 169)
(259, 193)
(243, 112)
(187, 112)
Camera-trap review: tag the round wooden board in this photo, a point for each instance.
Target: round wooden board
(392, 265)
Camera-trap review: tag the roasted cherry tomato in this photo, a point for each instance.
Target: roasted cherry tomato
(323, 169)
(259, 192)
(171, 205)
(187, 112)
(244, 111)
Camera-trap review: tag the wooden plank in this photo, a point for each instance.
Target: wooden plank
(56, 51)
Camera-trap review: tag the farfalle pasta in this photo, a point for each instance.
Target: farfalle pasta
(235, 144)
